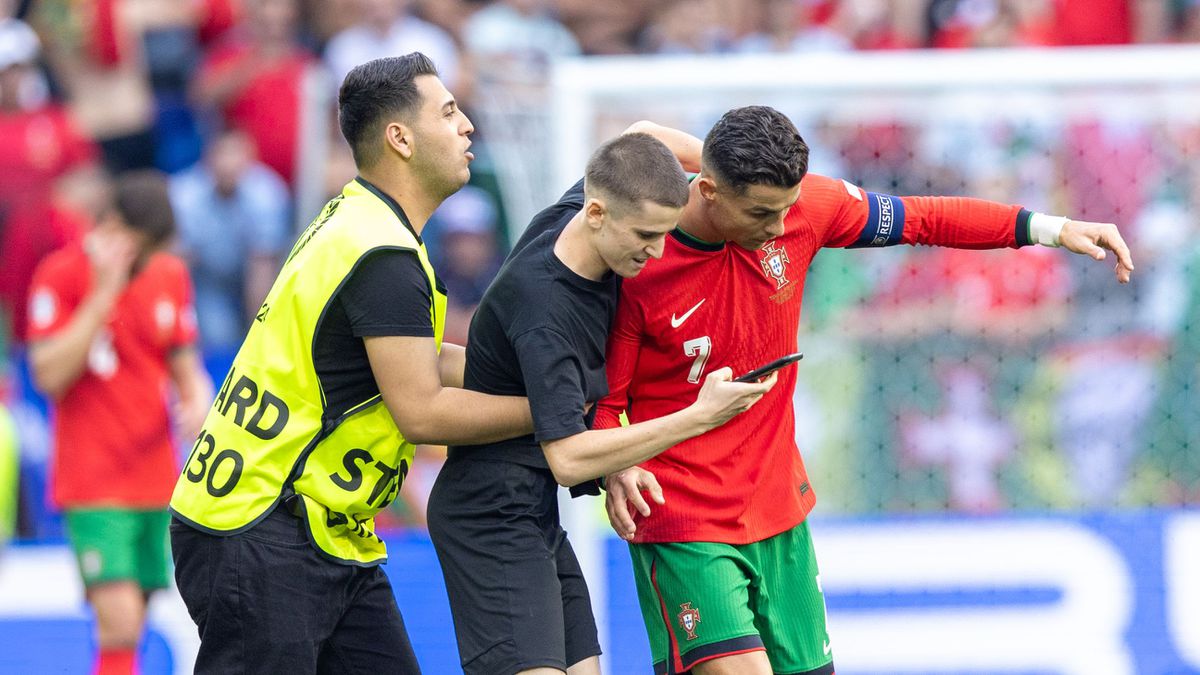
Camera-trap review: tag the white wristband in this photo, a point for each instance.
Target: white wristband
(1045, 230)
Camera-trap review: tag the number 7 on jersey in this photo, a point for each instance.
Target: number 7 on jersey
(699, 349)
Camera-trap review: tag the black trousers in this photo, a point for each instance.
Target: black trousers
(266, 601)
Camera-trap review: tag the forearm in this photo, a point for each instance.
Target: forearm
(191, 381)
(963, 222)
(59, 360)
(452, 364)
(591, 454)
(455, 416)
(408, 371)
(686, 147)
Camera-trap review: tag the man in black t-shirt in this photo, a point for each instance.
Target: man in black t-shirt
(517, 594)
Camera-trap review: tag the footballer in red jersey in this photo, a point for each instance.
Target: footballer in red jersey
(731, 533)
(111, 324)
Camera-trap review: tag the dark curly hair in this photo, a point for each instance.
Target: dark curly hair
(755, 145)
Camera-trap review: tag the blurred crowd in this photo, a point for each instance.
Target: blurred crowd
(234, 100)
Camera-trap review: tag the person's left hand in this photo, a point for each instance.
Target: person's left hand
(1091, 239)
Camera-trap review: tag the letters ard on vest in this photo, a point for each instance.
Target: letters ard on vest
(267, 428)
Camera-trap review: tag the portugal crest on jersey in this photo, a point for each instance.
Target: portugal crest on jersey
(688, 618)
(773, 261)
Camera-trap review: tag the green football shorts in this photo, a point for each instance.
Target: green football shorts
(703, 600)
(113, 544)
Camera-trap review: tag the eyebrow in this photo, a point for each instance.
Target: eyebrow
(450, 104)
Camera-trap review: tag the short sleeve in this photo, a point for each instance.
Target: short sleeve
(388, 295)
(554, 383)
(51, 302)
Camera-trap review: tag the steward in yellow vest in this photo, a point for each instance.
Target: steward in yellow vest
(312, 432)
(272, 433)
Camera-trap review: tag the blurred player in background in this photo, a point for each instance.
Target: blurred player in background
(517, 593)
(726, 572)
(111, 323)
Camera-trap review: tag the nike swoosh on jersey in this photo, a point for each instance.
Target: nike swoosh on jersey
(677, 322)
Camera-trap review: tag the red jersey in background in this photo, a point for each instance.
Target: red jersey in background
(703, 306)
(112, 433)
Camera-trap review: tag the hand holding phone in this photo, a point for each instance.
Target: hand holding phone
(762, 371)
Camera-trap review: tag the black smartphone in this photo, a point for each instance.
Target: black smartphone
(761, 372)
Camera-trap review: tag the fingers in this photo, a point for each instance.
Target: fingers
(618, 513)
(721, 374)
(1114, 242)
(767, 383)
(649, 483)
(639, 502)
(1092, 240)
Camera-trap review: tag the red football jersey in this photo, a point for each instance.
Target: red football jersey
(112, 433)
(704, 306)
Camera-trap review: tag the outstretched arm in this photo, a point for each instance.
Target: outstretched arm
(857, 218)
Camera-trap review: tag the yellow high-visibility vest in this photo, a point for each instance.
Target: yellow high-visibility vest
(268, 434)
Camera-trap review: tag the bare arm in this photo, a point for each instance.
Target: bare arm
(598, 452)
(452, 364)
(194, 388)
(408, 372)
(686, 147)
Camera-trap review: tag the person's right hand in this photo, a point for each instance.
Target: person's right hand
(721, 398)
(623, 495)
(112, 254)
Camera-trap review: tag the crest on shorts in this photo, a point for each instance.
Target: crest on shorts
(773, 261)
(688, 618)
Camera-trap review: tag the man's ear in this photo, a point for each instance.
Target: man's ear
(708, 188)
(594, 211)
(400, 139)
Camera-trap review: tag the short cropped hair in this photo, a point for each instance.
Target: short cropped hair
(755, 145)
(633, 168)
(372, 93)
(143, 202)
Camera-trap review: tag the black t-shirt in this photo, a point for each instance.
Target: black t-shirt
(386, 294)
(540, 331)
